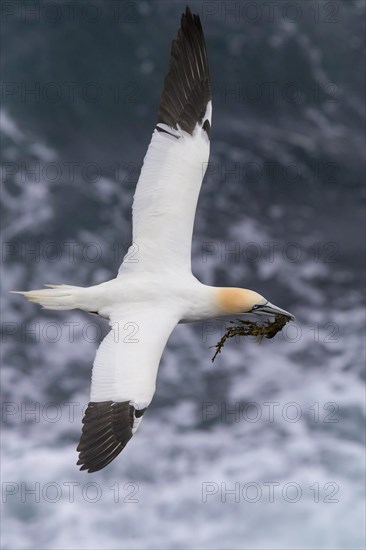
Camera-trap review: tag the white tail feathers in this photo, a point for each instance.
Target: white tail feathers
(55, 296)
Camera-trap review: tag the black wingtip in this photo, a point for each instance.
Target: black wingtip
(186, 90)
(107, 428)
(188, 14)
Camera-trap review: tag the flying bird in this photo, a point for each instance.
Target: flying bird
(155, 288)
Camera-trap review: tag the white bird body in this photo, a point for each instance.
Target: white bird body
(183, 294)
(155, 288)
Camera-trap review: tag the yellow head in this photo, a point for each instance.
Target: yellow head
(232, 301)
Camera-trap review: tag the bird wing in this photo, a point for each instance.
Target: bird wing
(175, 163)
(123, 383)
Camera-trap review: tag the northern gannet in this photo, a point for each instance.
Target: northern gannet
(157, 290)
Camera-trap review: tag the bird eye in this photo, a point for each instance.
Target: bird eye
(255, 307)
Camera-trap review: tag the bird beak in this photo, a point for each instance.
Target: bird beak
(270, 309)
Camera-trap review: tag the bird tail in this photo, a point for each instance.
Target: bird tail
(55, 296)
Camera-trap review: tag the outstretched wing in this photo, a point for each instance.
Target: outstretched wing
(167, 191)
(123, 384)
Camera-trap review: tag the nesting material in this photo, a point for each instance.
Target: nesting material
(251, 328)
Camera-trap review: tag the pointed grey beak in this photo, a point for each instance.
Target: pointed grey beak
(270, 309)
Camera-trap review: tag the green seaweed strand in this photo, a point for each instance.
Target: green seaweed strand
(251, 328)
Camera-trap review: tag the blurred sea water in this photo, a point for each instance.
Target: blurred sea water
(265, 448)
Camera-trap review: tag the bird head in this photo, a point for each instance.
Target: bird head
(242, 300)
